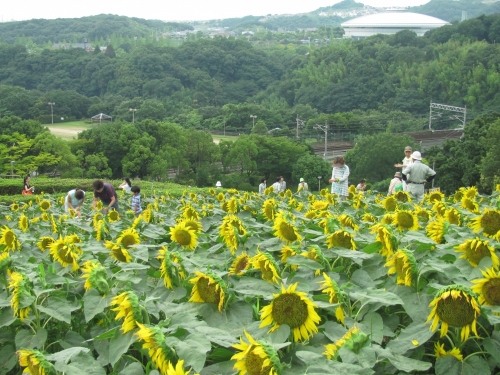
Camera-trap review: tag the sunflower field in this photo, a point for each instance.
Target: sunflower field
(237, 283)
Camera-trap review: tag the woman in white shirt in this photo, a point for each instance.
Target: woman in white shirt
(262, 186)
(126, 185)
(340, 174)
(74, 200)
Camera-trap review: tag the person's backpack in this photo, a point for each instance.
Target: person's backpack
(398, 187)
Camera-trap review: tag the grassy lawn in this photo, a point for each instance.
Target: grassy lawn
(68, 130)
(218, 138)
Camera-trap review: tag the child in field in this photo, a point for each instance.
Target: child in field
(136, 200)
(74, 200)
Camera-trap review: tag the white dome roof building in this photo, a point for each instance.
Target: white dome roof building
(390, 22)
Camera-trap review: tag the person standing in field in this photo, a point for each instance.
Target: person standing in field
(282, 184)
(126, 185)
(340, 174)
(262, 186)
(107, 194)
(407, 161)
(136, 200)
(396, 184)
(416, 175)
(74, 200)
(277, 185)
(302, 185)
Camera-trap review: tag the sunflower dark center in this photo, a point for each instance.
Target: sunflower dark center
(288, 232)
(400, 267)
(491, 292)
(456, 312)
(401, 197)
(254, 365)
(9, 238)
(183, 237)
(491, 223)
(390, 204)
(481, 251)
(119, 254)
(241, 265)
(65, 254)
(128, 240)
(453, 217)
(405, 220)
(342, 240)
(289, 309)
(208, 291)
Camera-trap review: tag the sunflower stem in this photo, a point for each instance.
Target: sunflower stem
(473, 354)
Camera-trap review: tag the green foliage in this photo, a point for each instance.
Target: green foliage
(450, 10)
(260, 128)
(310, 167)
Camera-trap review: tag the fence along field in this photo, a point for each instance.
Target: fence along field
(307, 283)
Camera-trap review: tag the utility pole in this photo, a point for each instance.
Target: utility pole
(325, 129)
(133, 112)
(224, 126)
(253, 120)
(52, 111)
(300, 123)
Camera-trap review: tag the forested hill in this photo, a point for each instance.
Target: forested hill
(74, 30)
(451, 10)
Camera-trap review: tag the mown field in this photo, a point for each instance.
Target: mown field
(237, 283)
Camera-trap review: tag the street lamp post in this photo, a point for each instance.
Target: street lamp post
(12, 168)
(253, 120)
(133, 112)
(319, 182)
(52, 111)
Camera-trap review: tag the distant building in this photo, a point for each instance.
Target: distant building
(247, 32)
(85, 46)
(390, 22)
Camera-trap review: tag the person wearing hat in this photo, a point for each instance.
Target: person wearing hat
(396, 184)
(302, 185)
(416, 175)
(406, 162)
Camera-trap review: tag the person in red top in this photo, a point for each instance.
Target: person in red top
(107, 194)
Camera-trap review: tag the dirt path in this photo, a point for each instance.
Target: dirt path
(67, 134)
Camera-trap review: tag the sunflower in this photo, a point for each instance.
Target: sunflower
(440, 352)
(211, 191)
(285, 230)
(113, 216)
(5, 263)
(53, 224)
(256, 358)
(455, 306)
(19, 288)
(289, 251)
(341, 238)
(422, 213)
(208, 288)
(23, 223)
(348, 221)
(459, 194)
(240, 265)
(489, 222)
(128, 308)
(65, 252)
(101, 229)
(474, 250)
(405, 219)
(96, 276)
(177, 370)
(267, 265)
(118, 252)
(231, 230)
(45, 243)
(331, 288)
(184, 236)
(319, 205)
(269, 209)
(354, 339)
(453, 216)
(128, 238)
(154, 342)
(352, 191)
(469, 204)
(311, 214)
(315, 253)
(386, 237)
(14, 207)
(471, 192)
(389, 218)
(220, 197)
(390, 203)
(294, 309)
(9, 239)
(435, 196)
(230, 206)
(45, 205)
(34, 362)
(403, 263)
(369, 218)
(488, 287)
(194, 225)
(330, 198)
(440, 208)
(168, 269)
(437, 229)
(137, 221)
(402, 196)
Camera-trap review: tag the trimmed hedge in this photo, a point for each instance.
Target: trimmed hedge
(12, 188)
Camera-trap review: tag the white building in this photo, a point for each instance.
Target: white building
(390, 22)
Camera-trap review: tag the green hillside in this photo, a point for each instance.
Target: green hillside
(450, 10)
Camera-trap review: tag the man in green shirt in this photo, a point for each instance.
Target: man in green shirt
(418, 174)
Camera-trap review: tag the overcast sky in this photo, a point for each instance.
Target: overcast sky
(170, 9)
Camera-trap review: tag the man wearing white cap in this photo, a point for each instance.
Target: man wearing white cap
(416, 175)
